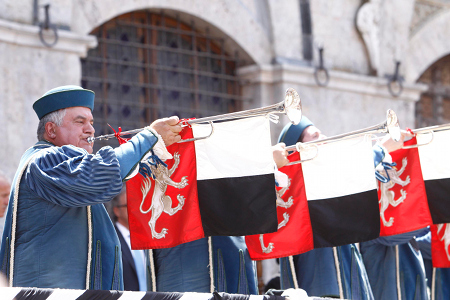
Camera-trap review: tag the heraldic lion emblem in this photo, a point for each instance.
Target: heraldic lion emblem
(280, 203)
(160, 201)
(387, 196)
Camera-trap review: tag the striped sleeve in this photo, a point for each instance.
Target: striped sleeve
(70, 177)
(130, 154)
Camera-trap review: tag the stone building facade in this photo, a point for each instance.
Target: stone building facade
(238, 54)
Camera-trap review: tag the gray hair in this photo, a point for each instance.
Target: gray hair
(54, 117)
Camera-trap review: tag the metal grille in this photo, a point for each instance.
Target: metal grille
(148, 66)
(433, 108)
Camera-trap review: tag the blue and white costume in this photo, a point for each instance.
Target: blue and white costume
(63, 237)
(395, 267)
(185, 268)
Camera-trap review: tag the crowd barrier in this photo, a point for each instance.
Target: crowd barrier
(66, 294)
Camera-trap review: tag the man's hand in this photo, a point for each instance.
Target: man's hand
(280, 155)
(168, 129)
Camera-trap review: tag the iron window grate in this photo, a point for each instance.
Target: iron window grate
(148, 66)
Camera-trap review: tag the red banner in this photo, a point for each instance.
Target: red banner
(440, 243)
(163, 211)
(294, 235)
(403, 200)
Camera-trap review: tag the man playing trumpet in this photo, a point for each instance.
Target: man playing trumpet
(316, 270)
(57, 231)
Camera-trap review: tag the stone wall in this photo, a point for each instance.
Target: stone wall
(267, 35)
(349, 102)
(27, 70)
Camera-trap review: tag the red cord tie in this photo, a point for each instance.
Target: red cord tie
(184, 122)
(117, 134)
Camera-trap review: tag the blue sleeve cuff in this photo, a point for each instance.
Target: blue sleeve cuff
(378, 155)
(130, 154)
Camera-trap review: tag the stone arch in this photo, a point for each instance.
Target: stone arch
(231, 18)
(428, 45)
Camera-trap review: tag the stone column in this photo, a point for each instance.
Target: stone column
(27, 70)
(349, 102)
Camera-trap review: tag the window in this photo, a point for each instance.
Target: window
(148, 66)
(433, 108)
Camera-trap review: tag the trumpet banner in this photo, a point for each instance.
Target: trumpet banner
(235, 177)
(342, 193)
(403, 199)
(335, 202)
(435, 162)
(166, 214)
(222, 185)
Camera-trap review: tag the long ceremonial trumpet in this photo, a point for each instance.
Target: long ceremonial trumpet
(432, 128)
(425, 130)
(390, 126)
(291, 106)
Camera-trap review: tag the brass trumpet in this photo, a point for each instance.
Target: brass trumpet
(390, 126)
(428, 130)
(291, 106)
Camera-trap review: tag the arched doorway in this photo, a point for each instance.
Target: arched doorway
(433, 108)
(150, 65)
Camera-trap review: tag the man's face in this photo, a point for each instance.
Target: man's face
(4, 196)
(312, 133)
(77, 126)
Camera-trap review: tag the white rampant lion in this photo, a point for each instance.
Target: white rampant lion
(387, 196)
(445, 237)
(160, 201)
(280, 203)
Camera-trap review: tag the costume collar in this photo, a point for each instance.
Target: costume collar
(44, 143)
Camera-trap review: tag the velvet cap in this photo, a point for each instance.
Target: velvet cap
(63, 97)
(291, 133)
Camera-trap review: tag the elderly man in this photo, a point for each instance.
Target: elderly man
(57, 231)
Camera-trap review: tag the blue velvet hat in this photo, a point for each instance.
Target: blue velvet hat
(291, 133)
(63, 97)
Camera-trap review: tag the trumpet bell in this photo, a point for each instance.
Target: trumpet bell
(293, 106)
(392, 125)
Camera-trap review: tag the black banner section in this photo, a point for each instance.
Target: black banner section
(345, 220)
(238, 206)
(438, 194)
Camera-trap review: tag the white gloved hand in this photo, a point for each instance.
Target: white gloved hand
(295, 294)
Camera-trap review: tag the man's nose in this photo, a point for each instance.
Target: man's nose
(90, 128)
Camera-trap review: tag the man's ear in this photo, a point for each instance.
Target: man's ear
(50, 130)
